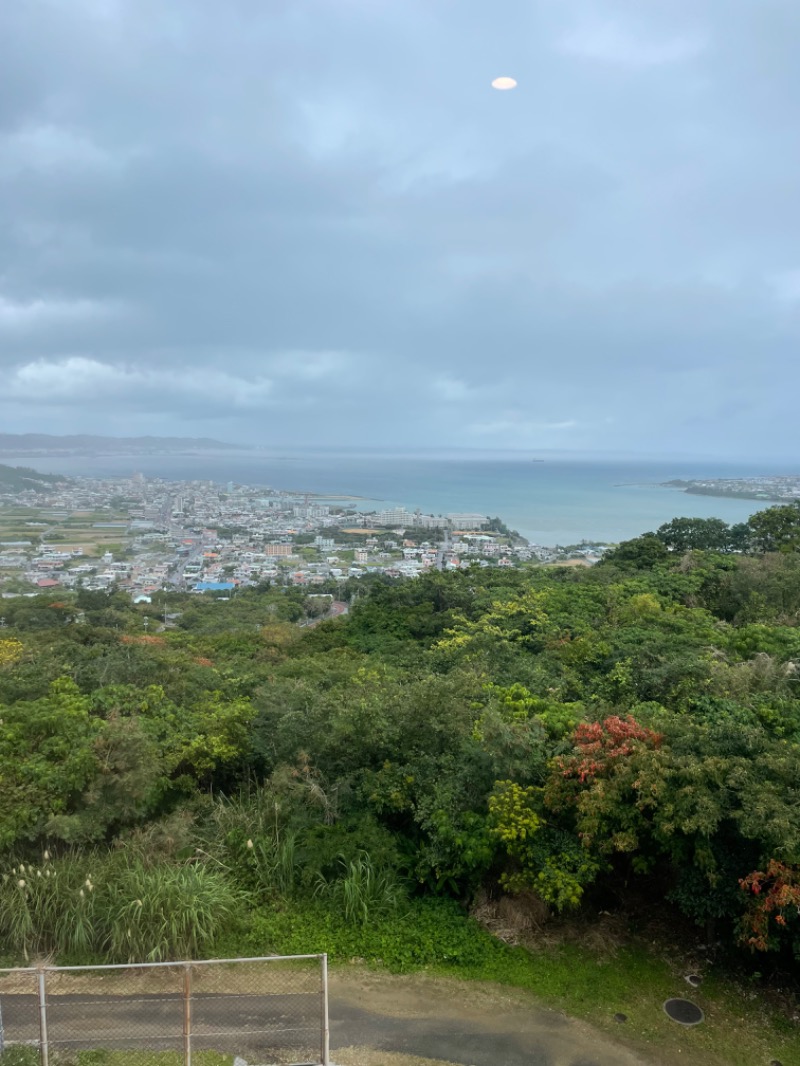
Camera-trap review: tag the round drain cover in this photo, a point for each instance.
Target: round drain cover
(683, 1012)
(620, 1018)
(693, 979)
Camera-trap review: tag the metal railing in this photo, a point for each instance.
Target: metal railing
(218, 1012)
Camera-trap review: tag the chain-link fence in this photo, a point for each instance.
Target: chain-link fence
(220, 1012)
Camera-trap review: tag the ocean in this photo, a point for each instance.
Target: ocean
(557, 501)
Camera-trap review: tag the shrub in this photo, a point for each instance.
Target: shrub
(20, 1055)
(428, 932)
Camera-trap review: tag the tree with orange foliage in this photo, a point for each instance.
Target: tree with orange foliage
(601, 745)
(599, 784)
(777, 893)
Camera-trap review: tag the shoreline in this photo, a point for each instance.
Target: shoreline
(594, 503)
(756, 489)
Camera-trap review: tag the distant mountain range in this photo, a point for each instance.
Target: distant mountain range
(19, 478)
(30, 444)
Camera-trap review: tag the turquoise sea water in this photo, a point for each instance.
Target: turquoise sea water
(558, 501)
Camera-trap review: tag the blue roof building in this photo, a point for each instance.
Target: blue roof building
(214, 586)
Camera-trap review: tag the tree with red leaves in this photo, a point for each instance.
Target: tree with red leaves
(600, 746)
(600, 783)
(777, 893)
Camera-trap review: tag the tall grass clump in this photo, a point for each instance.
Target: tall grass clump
(360, 891)
(50, 908)
(275, 863)
(247, 836)
(115, 908)
(166, 911)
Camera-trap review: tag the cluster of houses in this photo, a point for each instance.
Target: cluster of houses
(203, 537)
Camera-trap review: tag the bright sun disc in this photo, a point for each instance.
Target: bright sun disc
(504, 83)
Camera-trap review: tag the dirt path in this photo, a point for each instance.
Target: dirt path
(375, 1019)
(382, 1020)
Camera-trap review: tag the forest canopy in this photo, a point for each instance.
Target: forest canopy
(584, 735)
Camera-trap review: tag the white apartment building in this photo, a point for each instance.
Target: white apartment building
(398, 516)
(467, 521)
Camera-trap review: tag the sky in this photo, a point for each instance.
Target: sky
(315, 222)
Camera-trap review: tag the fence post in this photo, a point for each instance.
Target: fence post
(187, 1015)
(326, 1036)
(44, 1047)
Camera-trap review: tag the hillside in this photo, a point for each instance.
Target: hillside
(24, 444)
(611, 749)
(19, 478)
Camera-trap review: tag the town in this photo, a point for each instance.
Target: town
(777, 488)
(145, 535)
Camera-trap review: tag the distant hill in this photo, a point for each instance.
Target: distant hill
(25, 444)
(18, 478)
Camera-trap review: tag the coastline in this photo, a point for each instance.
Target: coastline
(786, 488)
(720, 495)
(549, 502)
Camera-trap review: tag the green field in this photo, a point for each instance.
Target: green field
(77, 529)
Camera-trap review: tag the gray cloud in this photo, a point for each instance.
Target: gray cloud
(313, 221)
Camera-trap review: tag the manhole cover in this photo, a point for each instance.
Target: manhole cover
(620, 1018)
(683, 1012)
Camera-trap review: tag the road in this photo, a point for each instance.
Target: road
(441, 1020)
(460, 1022)
(336, 610)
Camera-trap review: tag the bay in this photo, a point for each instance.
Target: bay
(557, 501)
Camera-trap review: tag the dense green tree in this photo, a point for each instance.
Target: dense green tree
(123, 789)
(776, 529)
(641, 553)
(696, 534)
(47, 760)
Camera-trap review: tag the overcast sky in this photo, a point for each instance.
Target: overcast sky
(289, 221)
